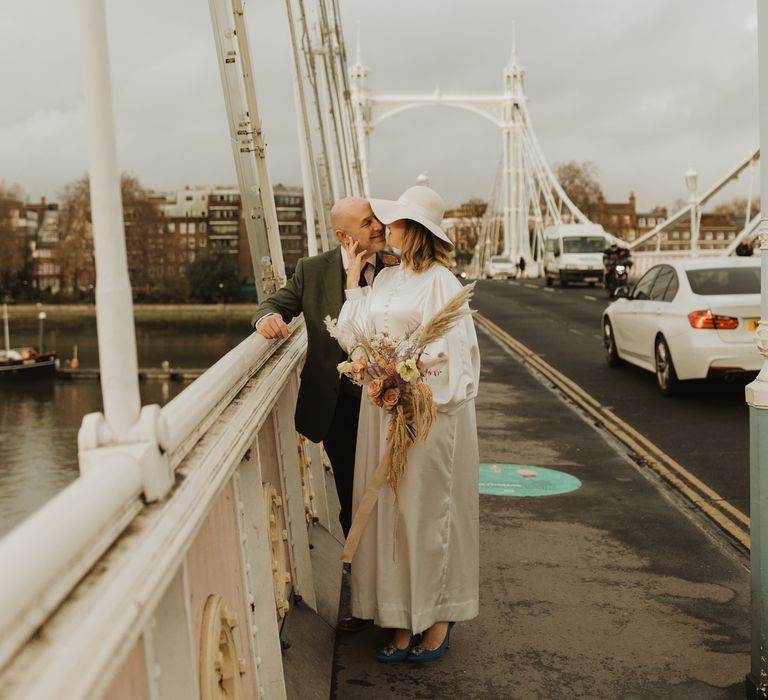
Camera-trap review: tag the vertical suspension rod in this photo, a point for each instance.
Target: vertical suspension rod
(349, 119)
(307, 141)
(326, 176)
(265, 184)
(334, 103)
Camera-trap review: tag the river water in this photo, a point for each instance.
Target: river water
(39, 420)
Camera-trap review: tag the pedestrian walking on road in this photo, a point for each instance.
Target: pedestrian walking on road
(521, 267)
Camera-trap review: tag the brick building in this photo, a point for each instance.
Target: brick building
(462, 225)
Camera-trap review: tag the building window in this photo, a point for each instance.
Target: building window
(641, 222)
(203, 242)
(171, 227)
(189, 197)
(192, 227)
(626, 218)
(182, 228)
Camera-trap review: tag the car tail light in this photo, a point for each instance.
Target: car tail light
(706, 319)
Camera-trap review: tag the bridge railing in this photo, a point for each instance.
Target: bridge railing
(645, 260)
(103, 595)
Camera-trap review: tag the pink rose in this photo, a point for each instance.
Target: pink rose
(374, 390)
(390, 398)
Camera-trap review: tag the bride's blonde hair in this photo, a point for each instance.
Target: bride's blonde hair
(421, 248)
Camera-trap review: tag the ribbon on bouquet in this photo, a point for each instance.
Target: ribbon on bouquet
(367, 502)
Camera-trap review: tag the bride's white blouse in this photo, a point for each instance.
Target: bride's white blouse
(400, 300)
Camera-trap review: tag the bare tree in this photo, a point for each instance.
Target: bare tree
(155, 264)
(74, 251)
(581, 184)
(13, 238)
(737, 207)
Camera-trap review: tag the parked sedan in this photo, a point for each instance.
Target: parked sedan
(687, 319)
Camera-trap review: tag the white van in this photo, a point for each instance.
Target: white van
(574, 253)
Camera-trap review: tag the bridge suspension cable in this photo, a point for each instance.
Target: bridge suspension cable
(327, 133)
(711, 192)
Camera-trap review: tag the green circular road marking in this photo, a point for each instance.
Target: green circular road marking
(524, 480)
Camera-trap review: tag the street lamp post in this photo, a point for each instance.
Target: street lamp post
(757, 398)
(40, 318)
(692, 183)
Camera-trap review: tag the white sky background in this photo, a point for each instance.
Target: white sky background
(644, 89)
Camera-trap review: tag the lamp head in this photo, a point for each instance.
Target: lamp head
(691, 180)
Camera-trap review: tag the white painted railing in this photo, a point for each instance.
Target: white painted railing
(104, 595)
(644, 261)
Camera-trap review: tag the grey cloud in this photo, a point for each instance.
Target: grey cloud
(643, 89)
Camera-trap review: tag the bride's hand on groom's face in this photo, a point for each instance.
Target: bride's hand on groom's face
(355, 263)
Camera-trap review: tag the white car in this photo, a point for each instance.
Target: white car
(501, 267)
(687, 319)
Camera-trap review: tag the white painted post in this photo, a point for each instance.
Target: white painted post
(263, 620)
(757, 398)
(114, 305)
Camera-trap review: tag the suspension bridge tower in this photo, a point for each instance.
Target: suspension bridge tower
(526, 195)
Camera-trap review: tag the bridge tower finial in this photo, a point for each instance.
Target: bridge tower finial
(359, 50)
(513, 73)
(513, 53)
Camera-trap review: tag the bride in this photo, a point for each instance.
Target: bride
(432, 582)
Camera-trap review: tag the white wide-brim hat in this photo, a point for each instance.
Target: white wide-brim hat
(419, 203)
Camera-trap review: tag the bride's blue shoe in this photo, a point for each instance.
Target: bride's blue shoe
(392, 653)
(419, 653)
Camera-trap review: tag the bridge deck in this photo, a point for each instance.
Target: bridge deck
(609, 591)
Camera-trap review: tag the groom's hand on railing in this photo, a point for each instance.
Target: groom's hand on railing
(272, 326)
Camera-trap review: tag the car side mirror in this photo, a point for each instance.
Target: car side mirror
(621, 293)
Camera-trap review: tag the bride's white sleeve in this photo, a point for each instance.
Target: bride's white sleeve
(353, 314)
(454, 360)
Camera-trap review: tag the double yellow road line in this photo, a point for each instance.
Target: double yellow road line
(709, 502)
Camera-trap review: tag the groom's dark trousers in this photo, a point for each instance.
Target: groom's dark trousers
(327, 408)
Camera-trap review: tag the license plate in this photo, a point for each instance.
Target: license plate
(752, 324)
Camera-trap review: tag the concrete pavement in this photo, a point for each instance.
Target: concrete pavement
(615, 590)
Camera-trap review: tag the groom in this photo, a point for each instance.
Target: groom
(328, 407)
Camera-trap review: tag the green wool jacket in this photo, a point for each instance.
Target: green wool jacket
(316, 290)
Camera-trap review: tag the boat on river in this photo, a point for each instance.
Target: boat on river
(24, 363)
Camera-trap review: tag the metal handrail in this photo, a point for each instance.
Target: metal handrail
(55, 547)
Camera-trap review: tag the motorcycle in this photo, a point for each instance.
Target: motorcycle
(616, 276)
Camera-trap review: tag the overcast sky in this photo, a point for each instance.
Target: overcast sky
(644, 89)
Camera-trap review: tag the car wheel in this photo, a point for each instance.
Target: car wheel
(549, 281)
(609, 344)
(666, 377)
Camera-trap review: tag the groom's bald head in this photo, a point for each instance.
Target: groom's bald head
(353, 217)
